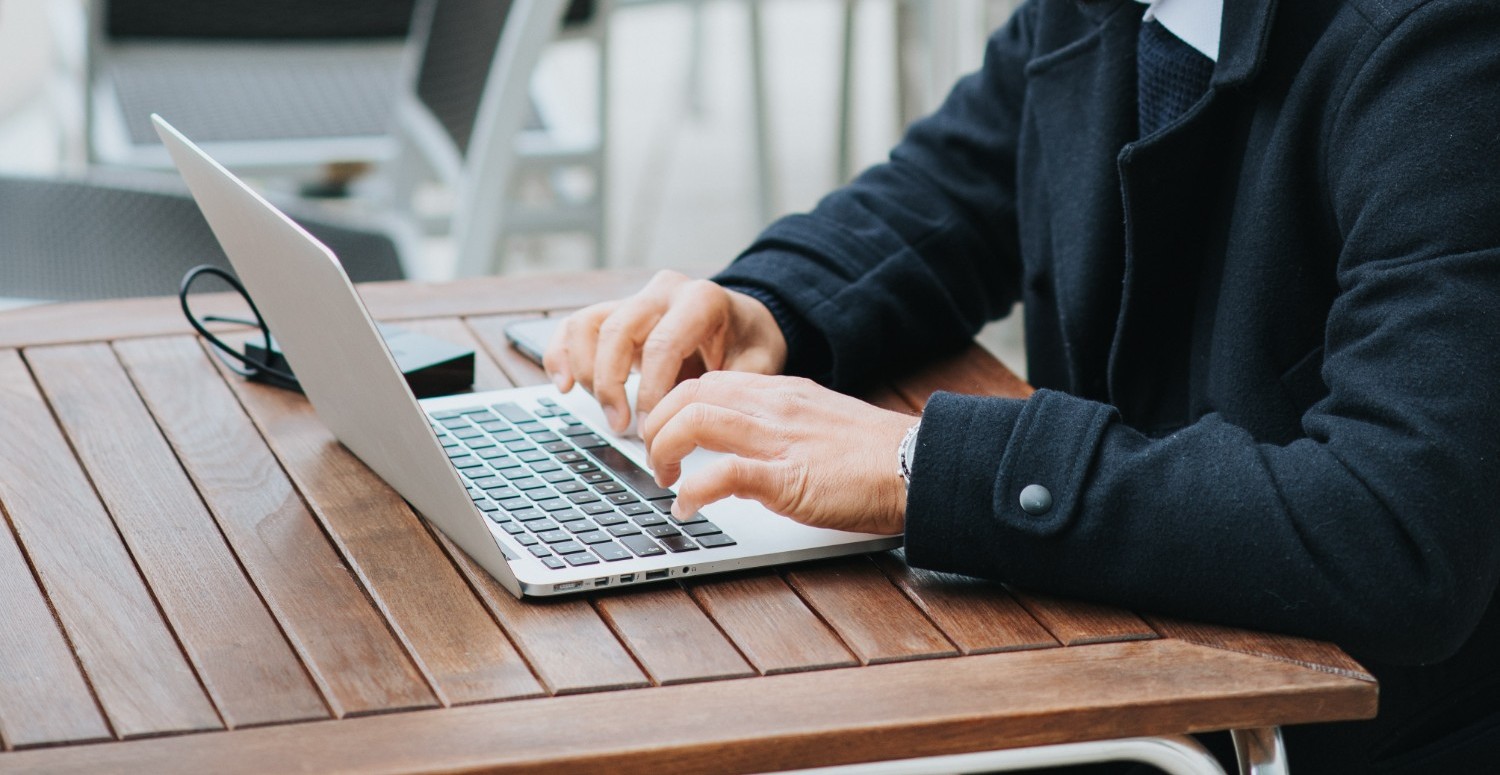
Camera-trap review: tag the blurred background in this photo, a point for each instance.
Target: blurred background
(445, 138)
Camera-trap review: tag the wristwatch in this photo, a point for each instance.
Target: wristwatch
(907, 453)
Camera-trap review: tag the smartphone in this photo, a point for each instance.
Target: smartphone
(530, 337)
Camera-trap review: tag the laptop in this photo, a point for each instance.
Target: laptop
(530, 482)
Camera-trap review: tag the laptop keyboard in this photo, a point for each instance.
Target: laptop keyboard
(561, 491)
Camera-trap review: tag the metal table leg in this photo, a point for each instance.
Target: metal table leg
(1260, 751)
(1175, 755)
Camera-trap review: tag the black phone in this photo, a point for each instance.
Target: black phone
(530, 337)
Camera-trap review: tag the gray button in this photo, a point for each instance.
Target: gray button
(1036, 500)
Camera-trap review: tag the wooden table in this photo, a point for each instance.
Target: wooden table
(196, 577)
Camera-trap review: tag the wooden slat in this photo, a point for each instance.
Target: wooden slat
(43, 697)
(670, 635)
(427, 603)
(665, 630)
(978, 616)
(128, 318)
(783, 722)
(873, 617)
(238, 650)
(141, 679)
(566, 642)
(341, 638)
(772, 627)
(1315, 654)
(1075, 622)
(490, 331)
(972, 371)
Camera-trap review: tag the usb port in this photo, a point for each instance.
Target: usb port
(653, 575)
(626, 578)
(601, 582)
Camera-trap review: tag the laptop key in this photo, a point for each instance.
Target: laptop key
(610, 552)
(553, 563)
(507, 436)
(554, 536)
(468, 433)
(547, 437)
(582, 466)
(515, 504)
(454, 423)
(568, 487)
(567, 547)
(596, 508)
(446, 414)
(661, 531)
(633, 509)
(467, 461)
(555, 504)
(540, 526)
(629, 473)
(622, 498)
(498, 458)
(519, 446)
(531, 427)
(576, 430)
(568, 455)
(480, 444)
(649, 520)
(583, 497)
(539, 551)
(609, 519)
(642, 546)
(477, 473)
(567, 515)
(454, 450)
(697, 529)
(559, 448)
(557, 477)
(625, 529)
(594, 477)
(577, 560)
(527, 539)
(512, 528)
(487, 505)
(495, 426)
(531, 456)
(527, 515)
(716, 540)
(591, 537)
(605, 488)
(512, 412)
(577, 526)
(591, 441)
(547, 467)
(679, 543)
(527, 483)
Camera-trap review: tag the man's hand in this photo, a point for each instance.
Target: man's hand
(806, 452)
(673, 329)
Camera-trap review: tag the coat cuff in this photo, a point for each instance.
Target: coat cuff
(976, 456)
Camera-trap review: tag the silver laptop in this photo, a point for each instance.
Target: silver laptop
(529, 482)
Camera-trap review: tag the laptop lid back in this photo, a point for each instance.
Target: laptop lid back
(334, 348)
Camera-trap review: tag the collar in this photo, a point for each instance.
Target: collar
(1242, 46)
(1194, 22)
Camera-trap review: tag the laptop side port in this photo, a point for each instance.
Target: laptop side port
(626, 578)
(654, 575)
(601, 582)
(566, 586)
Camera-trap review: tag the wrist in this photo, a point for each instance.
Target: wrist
(758, 329)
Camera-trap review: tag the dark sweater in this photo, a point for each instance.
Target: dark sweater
(1267, 337)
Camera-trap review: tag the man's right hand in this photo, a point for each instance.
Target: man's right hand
(675, 328)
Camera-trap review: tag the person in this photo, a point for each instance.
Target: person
(1260, 274)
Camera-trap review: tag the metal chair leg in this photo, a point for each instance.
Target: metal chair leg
(1260, 751)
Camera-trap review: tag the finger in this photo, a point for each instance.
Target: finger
(580, 340)
(693, 319)
(751, 394)
(620, 338)
(714, 428)
(555, 358)
(732, 476)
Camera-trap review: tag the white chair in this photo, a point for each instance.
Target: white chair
(462, 120)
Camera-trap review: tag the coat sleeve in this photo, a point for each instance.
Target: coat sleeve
(916, 254)
(1380, 530)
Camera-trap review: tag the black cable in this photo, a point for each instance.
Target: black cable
(252, 369)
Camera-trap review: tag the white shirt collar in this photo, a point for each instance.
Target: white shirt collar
(1196, 22)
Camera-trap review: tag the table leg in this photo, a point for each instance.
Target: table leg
(1260, 751)
(1175, 755)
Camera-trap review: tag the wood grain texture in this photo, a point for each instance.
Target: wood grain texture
(1075, 622)
(343, 641)
(872, 617)
(130, 318)
(972, 371)
(569, 646)
(43, 697)
(978, 616)
(490, 332)
(772, 627)
(239, 652)
(128, 654)
(1315, 654)
(671, 636)
(427, 603)
(785, 722)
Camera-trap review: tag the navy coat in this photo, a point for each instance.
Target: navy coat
(1267, 336)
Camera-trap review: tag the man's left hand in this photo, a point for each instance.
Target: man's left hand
(806, 452)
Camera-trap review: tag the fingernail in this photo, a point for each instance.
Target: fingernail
(612, 415)
(678, 512)
(557, 380)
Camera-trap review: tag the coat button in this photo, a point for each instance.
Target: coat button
(1036, 500)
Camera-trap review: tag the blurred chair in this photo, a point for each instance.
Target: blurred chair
(466, 120)
(272, 84)
(67, 240)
